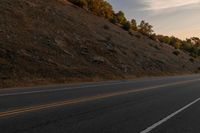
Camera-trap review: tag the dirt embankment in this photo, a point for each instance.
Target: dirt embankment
(53, 41)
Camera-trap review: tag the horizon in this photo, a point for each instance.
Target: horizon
(163, 15)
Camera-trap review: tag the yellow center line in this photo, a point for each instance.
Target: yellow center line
(84, 99)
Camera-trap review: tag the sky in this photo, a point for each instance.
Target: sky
(180, 18)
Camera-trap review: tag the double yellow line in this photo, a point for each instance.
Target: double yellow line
(84, 99)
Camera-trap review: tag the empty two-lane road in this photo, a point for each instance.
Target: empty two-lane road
(157, 105)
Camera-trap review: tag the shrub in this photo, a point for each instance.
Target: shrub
(163, 39)
(153, 37)
(113, 20)
(186, 46)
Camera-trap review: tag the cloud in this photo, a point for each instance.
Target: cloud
(156, 5)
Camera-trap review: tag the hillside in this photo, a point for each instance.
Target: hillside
(53, 41)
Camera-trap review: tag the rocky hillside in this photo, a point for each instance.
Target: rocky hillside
(53, 41)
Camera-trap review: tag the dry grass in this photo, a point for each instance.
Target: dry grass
(52, 41)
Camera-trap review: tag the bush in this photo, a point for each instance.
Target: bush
(163, 39)
(186, 46)
(175, 42)
(153, 37)
(113, 20)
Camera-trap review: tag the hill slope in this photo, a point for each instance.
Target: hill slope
(46, 41)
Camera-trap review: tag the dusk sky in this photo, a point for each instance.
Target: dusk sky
(180, 18)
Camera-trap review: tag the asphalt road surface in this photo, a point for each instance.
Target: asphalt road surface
(151, 105)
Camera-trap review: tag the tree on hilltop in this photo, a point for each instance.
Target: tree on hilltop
(145, 28)
(134, 25)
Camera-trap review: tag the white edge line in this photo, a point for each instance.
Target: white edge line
(149, 129)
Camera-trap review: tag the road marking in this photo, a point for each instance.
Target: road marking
(86, 86)
(149, 129)
(84, 99)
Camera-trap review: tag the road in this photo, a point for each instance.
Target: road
(150, 105)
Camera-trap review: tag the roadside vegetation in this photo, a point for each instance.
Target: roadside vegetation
(104, 9)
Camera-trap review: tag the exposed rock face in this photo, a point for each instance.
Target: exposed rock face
(98, 59)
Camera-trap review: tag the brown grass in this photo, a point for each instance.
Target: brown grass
(53, 41)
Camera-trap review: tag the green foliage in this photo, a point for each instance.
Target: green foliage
(80, 3)
(163, 39)
(191, 45)
(104, 9)
(120, 17)
(127, 26)
(113, 20)
(101, 8)
(173, 41)
(186, 45)
(194, 51)
(134, 25)
(145, 28)
(177, 45)
(98, 7)
(153, 37)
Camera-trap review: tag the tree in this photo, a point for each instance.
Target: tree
(94, 6)
(106, 10)
(186, 45)
(134, 25)
(120, 18)
(178, 45)
(101, 8)
(194, 51)
(175, 42)
(153, 37)
(98, 7)
(127, 26)
(166, 39)
(80, 3)
(163, 39)
(145, 28)
(113, 19)
(195, 41)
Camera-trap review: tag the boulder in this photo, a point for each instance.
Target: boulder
(98, 59)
